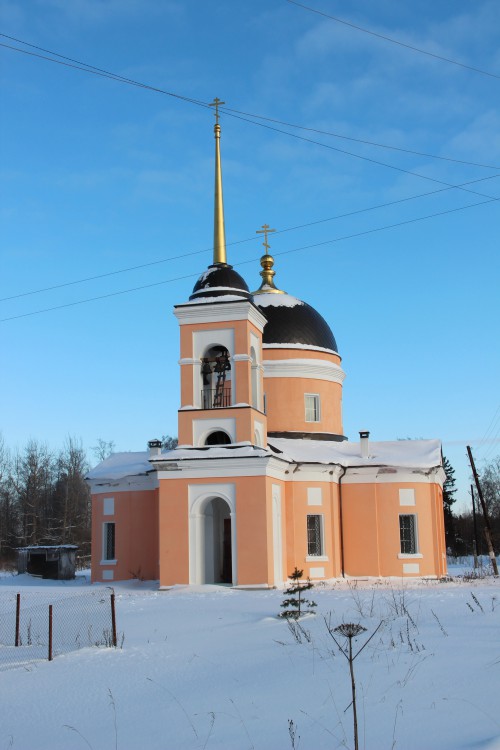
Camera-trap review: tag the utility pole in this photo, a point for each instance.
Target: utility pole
(487, 526)
(476, 550)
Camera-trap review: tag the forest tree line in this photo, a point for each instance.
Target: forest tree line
(462, 530)
(44, 498)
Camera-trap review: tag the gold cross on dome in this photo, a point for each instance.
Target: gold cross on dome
(216, 103)
(265, 231)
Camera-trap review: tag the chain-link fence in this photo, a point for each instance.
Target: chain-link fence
(35, 626)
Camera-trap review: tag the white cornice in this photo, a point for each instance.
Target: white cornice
(241, 358)
(270, 466)
(392, 475)
(221, 312)
(124, 484)
(316, 369)
(221, 467)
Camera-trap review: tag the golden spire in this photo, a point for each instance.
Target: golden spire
(267, 263)
(219, 230)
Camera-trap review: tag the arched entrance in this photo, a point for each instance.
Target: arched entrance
(212, 548)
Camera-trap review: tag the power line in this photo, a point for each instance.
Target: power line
(490, 438)
(394, 41)
(228, 110)
(358, 156)
(239, 242)
(494, 440)
(490, 425)
(246, 262)
(112, 76)
(88, 68)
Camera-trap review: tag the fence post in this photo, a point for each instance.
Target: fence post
(18, 620)
(113, 619)
(50, 632)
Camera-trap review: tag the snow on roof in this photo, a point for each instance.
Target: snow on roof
(418, 454)
(421, 454)
(233, 450)
(277, 300)
(120, 465)
(219, 298)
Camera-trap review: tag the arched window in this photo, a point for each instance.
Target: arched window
(218, 438)
(215, 378)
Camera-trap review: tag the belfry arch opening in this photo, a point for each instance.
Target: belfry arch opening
(215, 374)
(219, 437)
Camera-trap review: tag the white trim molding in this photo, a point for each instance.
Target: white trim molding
(314, 369)
(415, 556)
(133, 483)
(391, 475)
(191, 314)
(411, 568)
(317, 572)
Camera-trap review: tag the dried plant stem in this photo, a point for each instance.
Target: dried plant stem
(353, 690)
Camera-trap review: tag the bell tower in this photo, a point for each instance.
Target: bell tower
(222, 399)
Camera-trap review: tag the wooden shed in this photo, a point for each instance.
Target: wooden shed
(48, 561)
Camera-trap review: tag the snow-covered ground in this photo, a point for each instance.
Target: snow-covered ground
(212, 667)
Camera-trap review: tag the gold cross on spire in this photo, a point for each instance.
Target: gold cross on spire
(265, 231)
(216, 103)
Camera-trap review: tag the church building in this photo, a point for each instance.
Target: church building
(263, 479)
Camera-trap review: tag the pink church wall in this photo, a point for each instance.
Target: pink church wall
(285, 396)
(136, 536)
(174, 532)
(254, 524)
(296, 528)
(253, 529)
(371, 530)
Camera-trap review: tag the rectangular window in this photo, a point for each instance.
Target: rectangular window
(314, 536)
(312, 407)
(108, 541)
(408, 535)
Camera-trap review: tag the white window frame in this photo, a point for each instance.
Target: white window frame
(316, 409)
(321, 555)
(416, 552)
(105, 559)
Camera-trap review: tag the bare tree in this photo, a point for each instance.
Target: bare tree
(490, 483)
(32, 479)
(103, 449)
(71, 501)
(168, 442)
(9, 517)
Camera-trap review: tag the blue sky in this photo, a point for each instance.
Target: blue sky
(99, 176)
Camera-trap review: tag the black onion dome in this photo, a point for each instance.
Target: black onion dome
(290, 321)
(220, 280)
